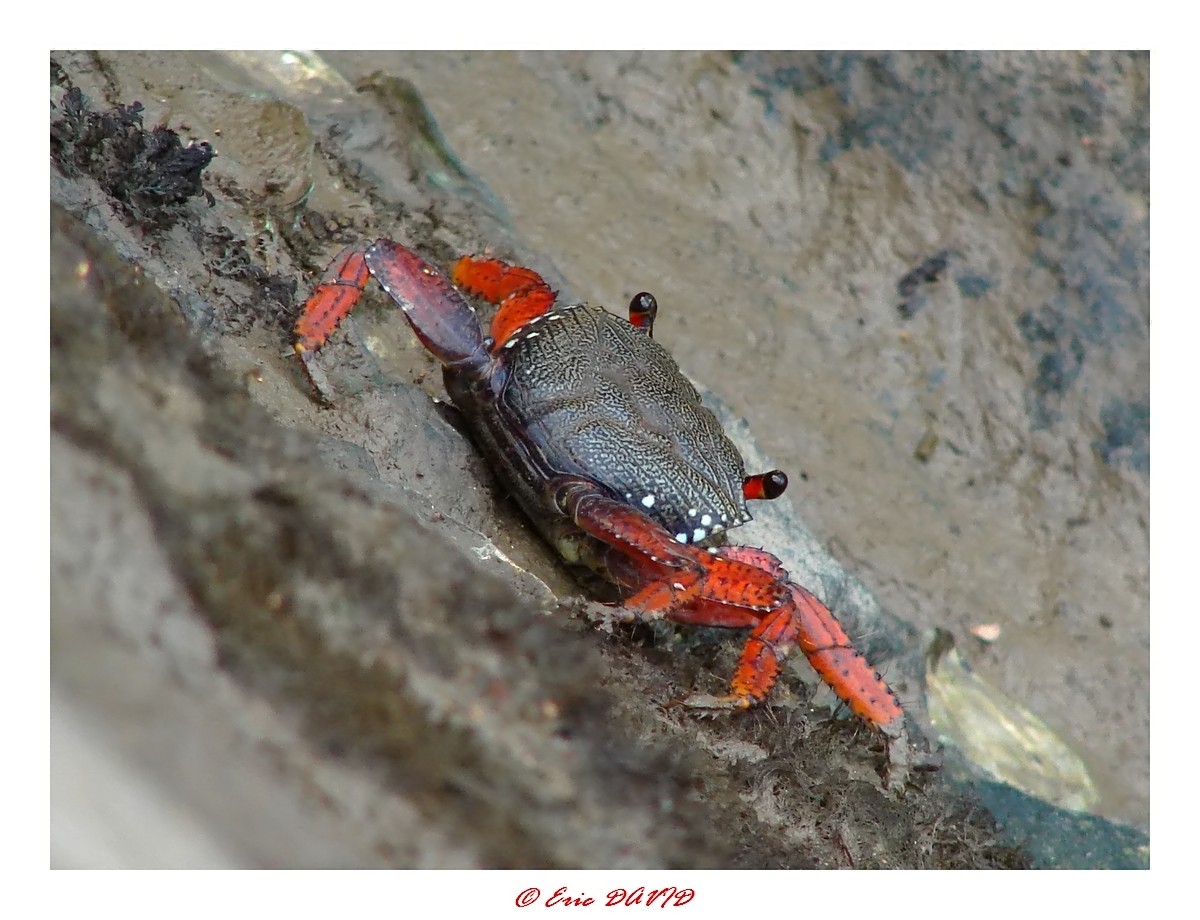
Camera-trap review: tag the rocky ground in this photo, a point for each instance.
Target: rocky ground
(287, 634)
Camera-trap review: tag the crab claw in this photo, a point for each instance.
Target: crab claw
(437, 312)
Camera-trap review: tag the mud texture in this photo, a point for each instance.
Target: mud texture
(287, 634)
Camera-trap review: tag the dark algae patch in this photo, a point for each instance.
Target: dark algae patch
(150, 172)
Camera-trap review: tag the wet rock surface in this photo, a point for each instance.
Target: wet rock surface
(340, 621)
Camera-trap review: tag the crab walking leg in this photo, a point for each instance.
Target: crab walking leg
(803, 620)
(824, 643)
(521, 293)
(708, 611)
(670, 575)
(762, 657)
(759, 558)
(828, 649)
(806, 622)
(772, 638)
(332, 300)
(702, 612)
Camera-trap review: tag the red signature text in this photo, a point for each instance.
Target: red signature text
(618, 897)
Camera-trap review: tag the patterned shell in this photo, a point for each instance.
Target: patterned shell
(606, 401)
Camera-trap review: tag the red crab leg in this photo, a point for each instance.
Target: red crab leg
(702, 612)
(759, 558)
(669, 574)
(520, 292)
(332, 300)
(803, 620)
(828, 649)
(806, 622)
(708, 611)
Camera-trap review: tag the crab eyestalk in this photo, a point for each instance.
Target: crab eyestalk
(642, 312)
(768, 485)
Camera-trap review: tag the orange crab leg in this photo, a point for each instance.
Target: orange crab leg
(762, 657)
(756, 557)
(704, 612)
(828, 649)
(804, 621)
(332, 300)
(736, 587)
(520, 292)
(711, 611)
(648, 549)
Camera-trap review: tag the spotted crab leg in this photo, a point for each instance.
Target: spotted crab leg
(331, 301)
(804, 621)
(669, 575)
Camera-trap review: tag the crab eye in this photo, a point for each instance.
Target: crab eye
(765, 485)
(774, 483)
(642, 310)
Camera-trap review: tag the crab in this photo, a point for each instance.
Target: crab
(606, 446)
